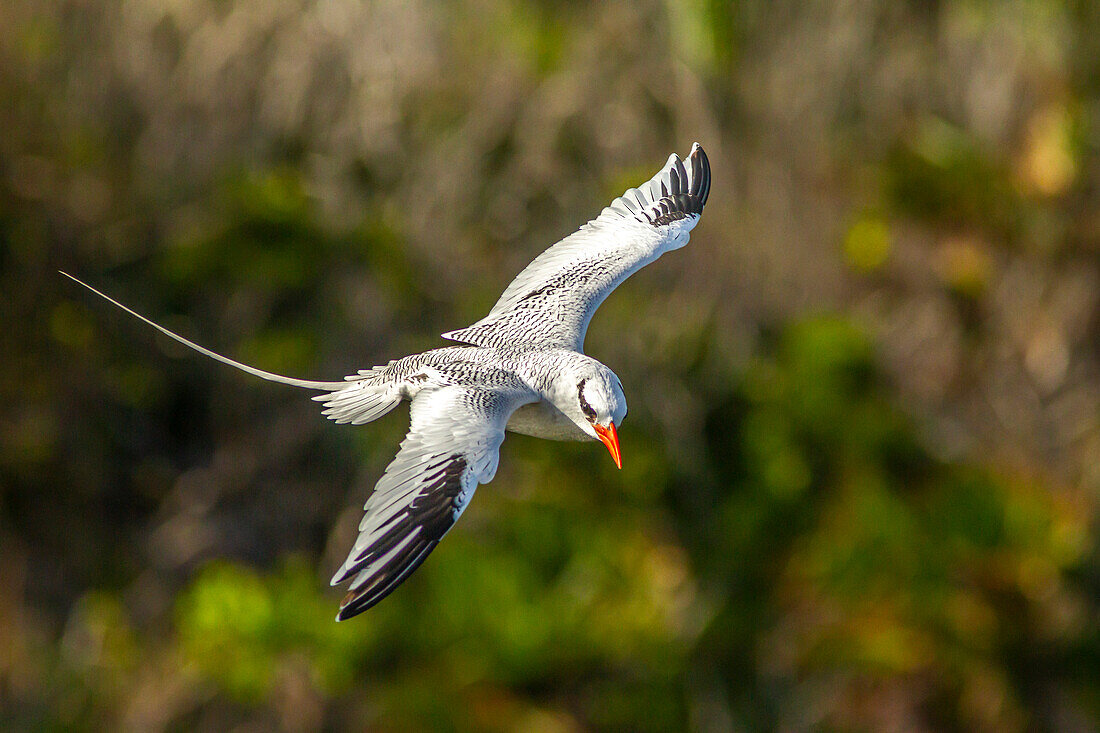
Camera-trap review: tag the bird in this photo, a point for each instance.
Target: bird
(521, 368)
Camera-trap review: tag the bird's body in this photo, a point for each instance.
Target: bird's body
(520, 369)
(528, 370)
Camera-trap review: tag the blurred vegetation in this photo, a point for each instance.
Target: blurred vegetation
(862, 461)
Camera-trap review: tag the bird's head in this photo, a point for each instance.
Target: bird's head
(592, 397)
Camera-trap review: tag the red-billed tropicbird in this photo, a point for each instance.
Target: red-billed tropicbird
(520, 368)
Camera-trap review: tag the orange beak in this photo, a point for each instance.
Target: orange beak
(609, 437)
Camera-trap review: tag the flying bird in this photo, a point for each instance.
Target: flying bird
(521, 368)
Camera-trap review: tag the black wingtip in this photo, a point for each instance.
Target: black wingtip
(678, 191)
(406, 539)
(678, 199)
(700, 170)
(361, 599)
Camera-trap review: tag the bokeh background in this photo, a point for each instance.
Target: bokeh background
(862, 461)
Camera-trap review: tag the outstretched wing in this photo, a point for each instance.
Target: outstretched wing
(551, 302)
(452, 446)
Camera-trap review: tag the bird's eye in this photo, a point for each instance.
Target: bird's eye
(585, 407)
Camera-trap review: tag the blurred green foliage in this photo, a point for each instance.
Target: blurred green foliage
(860, 479)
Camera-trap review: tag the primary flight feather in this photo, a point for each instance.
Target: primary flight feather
(521, 368)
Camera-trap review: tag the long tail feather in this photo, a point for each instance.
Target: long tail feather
(214, 355)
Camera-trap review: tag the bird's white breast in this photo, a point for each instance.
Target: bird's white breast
(543, 420)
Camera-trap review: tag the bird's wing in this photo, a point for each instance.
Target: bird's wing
(552, 301)
(452, 446)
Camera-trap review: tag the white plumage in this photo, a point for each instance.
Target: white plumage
(520, 368)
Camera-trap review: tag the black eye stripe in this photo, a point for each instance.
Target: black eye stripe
(585, 407)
